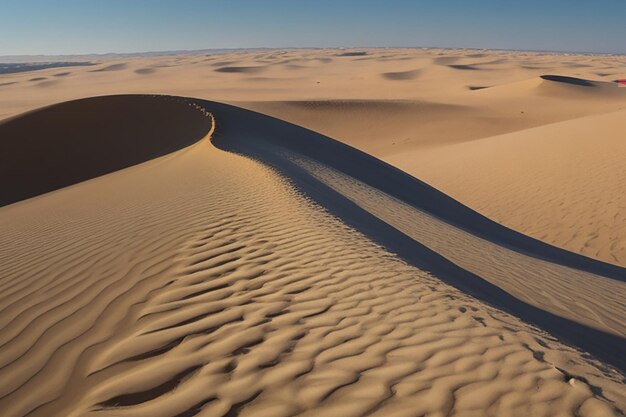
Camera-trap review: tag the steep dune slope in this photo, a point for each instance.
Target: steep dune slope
(209, 283)
(66, 143)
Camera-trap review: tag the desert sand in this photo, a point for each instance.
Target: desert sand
(392, 232)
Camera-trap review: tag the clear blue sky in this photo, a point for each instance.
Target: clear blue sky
(100, 26)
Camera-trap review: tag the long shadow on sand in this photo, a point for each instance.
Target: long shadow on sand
(258, 136)
(568, 80)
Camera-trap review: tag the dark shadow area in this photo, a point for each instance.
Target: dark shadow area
(352, 54)
(464, 67)
(242, 70)
(401, 75)
(145, 71)
(568, 80)
(70, 142)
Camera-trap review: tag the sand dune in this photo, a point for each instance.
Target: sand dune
(353, 53)
(372, 125)
(113, 67)
(465, 67)
(289, 275)
(559, 87)
(12, 68)
(76, 141)
(406, 204)
(244, 70)
(144, 71)
(562, 183)
(401, 75)
(387, 128)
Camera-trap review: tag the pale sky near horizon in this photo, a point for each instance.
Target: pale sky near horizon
(88, 26)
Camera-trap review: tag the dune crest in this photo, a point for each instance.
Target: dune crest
(75, 141)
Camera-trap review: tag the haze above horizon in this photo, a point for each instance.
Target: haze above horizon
(52, 27)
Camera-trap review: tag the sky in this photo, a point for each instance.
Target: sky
(49, 27)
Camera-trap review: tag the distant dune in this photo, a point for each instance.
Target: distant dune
(75, 141)
(245, 70)
(401, 75)
(12, 68)
(113, 67)
(353, 53)
(144, 71)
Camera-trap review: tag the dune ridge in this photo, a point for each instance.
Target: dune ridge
(518, 255)
(134, 129)
(214, 283)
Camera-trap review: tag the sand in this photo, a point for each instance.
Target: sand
(247, 266)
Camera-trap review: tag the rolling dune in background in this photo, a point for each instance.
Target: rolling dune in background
(236, 264)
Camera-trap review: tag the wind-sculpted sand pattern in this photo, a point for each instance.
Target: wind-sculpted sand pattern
(204, 283)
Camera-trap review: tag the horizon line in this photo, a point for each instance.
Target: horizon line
(182, 51)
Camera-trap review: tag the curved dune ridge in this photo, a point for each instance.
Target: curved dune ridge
(289, 275)
(569, 86)
(559, 86)
(66, 143)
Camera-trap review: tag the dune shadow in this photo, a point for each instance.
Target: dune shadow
(74, 141)
(46, 83)
(223, 63)
(568, 80)
(463, 67)
(241, 70)
(262, 137)
(356, 53)
(401, 75)
(145, 71)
